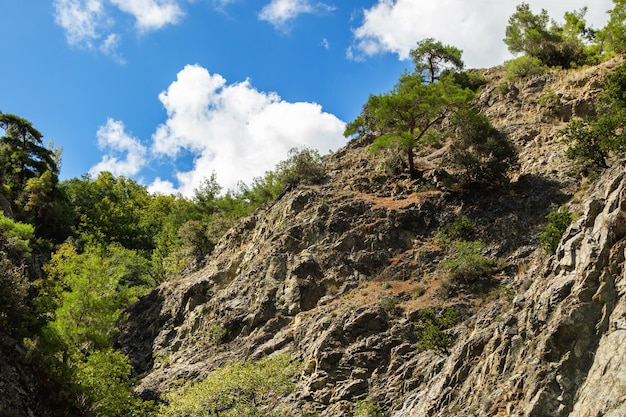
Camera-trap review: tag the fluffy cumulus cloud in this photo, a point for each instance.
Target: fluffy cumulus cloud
(477, 27)
(125, 154)
(234, 130)
(280, 12)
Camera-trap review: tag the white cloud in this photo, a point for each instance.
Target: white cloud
(110, 47)
(112, 137)
(163, 187)
(89, 24)
(477, 27)
(81, 20)
(151, 14)
(280, 12)
(235, 130)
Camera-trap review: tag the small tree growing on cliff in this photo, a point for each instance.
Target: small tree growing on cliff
(418, 102)
(483, 153)
(431, 58)
(535, 35)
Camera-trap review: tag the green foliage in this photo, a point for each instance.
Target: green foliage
(17, 234)
(467, 264)
(105, 379)
(550, 103)
(367, 408)
(612, 37)
(86, 292)
(411, 110)
(240, 388)
(467, 79)
(216, 333)
(559, 220)
(303, 166)
(523, 66)
(558, 45)
(591, 142)
(432, 329)
(481, 152)
(29, 177)
(406, 116)
(460, 228)
(14, 285)
(109, 209)
(503, 89)
(431, 58)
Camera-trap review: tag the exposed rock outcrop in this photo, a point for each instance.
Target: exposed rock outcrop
(338, 275)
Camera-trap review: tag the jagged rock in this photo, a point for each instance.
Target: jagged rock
(337, 275)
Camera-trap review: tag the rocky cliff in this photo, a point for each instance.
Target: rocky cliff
(341, 276)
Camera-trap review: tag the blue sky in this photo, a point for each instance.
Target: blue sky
(169, 91)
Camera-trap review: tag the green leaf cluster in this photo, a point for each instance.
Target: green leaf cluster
(240, 388)
(367, 408)
(467, 264)
(482, 153)
(432, 329)
(563, 45)
(592, 141)
(559, 220)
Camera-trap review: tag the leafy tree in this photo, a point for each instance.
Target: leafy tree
(612, 37)
(554, 45)
(15, 258)
(526, 31)
(431, 329)
(105, 379)
(420, 101)
(84, 295)
(483, 153)
(410, 111)
(431, 58)
(240, 388)
(29, 177)
(591, 142)
(109, 209)
(22, 154)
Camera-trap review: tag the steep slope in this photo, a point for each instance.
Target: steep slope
(338, 275)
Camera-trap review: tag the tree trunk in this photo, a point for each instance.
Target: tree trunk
(409, 154)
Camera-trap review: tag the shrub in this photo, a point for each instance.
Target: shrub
(367, 408)
(431, 329)
(558, 221)
(523, 67)
(303, 166)
(481, 152)
(503, 89)
(240, 388)
(460, 228)
(17, 234)
(467, 264)
(550, 103)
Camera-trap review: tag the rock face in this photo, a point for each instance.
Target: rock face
(556, 351)
(339, 274)
(20, 394)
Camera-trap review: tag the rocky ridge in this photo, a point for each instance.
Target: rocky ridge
(338, 275)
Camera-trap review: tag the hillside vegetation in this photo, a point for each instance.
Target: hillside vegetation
(378, 280)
